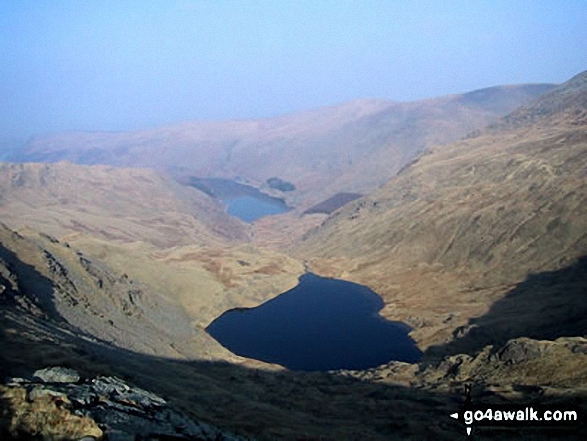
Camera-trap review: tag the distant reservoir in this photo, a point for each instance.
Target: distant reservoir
(243, 201)
(321, 324)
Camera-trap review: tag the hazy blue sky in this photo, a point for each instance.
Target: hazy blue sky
(116, 65)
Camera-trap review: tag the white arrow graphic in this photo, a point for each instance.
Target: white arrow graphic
(456, 417)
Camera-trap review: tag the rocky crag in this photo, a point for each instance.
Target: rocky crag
(56, 403)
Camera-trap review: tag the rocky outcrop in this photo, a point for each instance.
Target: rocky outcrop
(559, 364)
(104, 408)
(57, 375)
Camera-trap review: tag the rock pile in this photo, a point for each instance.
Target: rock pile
(122, 412)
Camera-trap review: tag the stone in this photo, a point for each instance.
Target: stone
(116, 388)
(127, 413)
(520, 351)
(83, 396)
(57, 375)
(16, 381)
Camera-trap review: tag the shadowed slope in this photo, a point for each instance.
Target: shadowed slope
(48, 279)
(545, 306)
(333, 203)
(138, 296)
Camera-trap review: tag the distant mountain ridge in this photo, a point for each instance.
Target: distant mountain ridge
(352, 147)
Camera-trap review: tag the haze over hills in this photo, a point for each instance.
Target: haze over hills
(478, 245)
(354, 147)
(498, 218)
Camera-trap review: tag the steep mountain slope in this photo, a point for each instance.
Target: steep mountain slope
(136, 296)
(467, 224)
(119, 204)
(51, 281)
(351, 147)
(41, 326)
(175, 241)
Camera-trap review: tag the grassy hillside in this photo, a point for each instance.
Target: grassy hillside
(40, 326)
(478, 245)
(466, 224)
(137, 296)
(118, 204)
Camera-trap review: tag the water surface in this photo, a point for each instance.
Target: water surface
(321, 324)
(251, 208)
(243, 201)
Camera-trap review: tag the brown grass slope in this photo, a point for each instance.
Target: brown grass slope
(355, 146)
(137, 296)
(466, 223)
(175, 241)
(51, 281)
(380, 404)
(117, 204)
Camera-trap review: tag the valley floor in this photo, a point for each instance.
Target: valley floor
(397, 401)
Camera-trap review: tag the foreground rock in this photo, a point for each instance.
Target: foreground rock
(56, 405)
(57, 375)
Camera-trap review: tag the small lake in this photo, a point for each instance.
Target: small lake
(243, 201)
(321, 324)
(251, 208)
